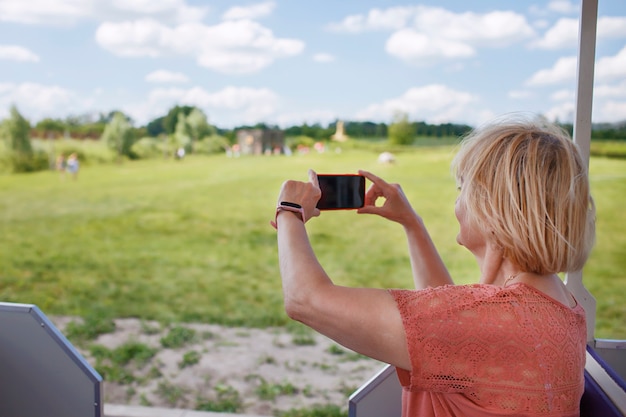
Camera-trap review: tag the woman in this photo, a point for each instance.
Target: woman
(72, 165)
(512, 344)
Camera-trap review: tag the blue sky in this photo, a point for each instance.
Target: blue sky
(287, 62)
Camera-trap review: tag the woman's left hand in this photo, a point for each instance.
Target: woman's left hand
(306, 194)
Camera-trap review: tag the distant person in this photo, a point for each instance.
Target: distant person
(60, 164)
(512, 344)
(73, 165)
(180, 153)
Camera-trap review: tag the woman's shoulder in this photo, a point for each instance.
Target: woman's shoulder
(469, 291)
(474, 296)
(432, 300)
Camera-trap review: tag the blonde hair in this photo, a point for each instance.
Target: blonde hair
(527, 191)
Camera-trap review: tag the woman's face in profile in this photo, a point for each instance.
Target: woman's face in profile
(469, 236)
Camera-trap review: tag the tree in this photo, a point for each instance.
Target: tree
(171, 119)
(50, 128)
(17, 133)
(199, 125)
(119, 135)
(401, 131)
(108, 117)
(182, 137)
(155, 127)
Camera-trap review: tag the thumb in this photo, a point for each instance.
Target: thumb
(313, 178)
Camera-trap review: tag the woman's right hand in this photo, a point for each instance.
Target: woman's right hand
(306, 194)
(396, 206)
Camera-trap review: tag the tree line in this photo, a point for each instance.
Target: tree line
(90, 127)
(188, 128)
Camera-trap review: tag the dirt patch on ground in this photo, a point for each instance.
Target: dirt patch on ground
(216, 368)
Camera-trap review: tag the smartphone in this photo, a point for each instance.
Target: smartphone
(341, 192)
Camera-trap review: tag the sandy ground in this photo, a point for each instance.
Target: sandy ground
(264, 370)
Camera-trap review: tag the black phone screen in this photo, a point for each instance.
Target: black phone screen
(341, 191)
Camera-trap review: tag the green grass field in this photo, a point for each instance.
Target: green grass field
(190, 240)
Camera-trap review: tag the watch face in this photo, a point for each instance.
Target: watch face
(290, 204)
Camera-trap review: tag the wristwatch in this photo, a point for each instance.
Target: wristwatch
(288, 206)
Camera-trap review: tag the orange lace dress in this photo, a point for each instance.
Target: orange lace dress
(482, 350)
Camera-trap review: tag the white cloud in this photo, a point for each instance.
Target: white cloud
(610, 102)
(611, 27)
(235, 47)
(563, 95)
(237, 105)
(392, 18)
(164, 76)
(17, 53)
(323, 58)
(147, 6)
(564, 33)
(323, 117)
(145, 37)
(610, 90)
(433, 103)
(555, 6)
(562, 71)
(252, 12)
(520, 94)
(243, 98)
(68, 12)
(493, 29)
(417, 48)
(541, 24)
(604, 110)
(610, 111)
(44, 11)
(611, 67)
(563, 112)
(563, 6)
(38, 101)
(424, 34)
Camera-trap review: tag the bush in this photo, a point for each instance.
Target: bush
(18, 163)
(88, 151)
(119, 135)
(147, 147)
(401, 131)
(295, 141)
(211, 145)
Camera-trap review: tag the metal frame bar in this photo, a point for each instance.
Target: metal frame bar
(582, 134)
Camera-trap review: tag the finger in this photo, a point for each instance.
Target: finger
(373, 178)
(369, 210)
(313, 178)
(372, 194)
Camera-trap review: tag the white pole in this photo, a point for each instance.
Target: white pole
(582, 134)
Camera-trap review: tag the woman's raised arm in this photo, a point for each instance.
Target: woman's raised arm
(426, 263)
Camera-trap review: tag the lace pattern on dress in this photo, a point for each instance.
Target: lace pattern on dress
(512, 349)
